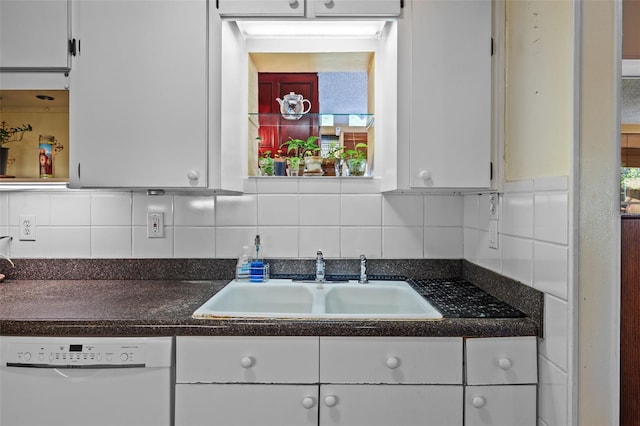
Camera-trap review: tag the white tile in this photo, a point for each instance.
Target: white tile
(4, 212)
(552, 393)
(236, 210)
(111, 242)
(320, 186)
(194, 242)
(71, 209)
(21, 203)
(519, 186)
(483, 212)
(551, 269)
(143, 204)
(41, 248)
(471, 211)
(279, 241)
(320, 210)
(471, 244)
(355, 241)
(111, 209)
(351, 185)
(230, 240)
(517, 258)
(278, 185)
(402, 242)
(554, 346)
(443, 243)
(553, 183)
(278, 210)
(191, 210)
(70, 242)
(145, 247)
(517, 214)
(402, 210)
(324, 238)
(488, 257)
(444, 210)
(551, 217)
(361, 210)
(250, 186)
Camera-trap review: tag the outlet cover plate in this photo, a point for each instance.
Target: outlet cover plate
(27, 227)
(155, 225)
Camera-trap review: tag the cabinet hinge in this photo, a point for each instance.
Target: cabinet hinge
(491, 46)
(491, 170)
(401, 4)
(217, 4)
(72, 47)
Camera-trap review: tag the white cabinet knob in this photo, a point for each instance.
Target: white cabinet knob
(293, 4)
(308, 402)
(193, 175)
(330, 401)
(393, 362)
(478, 401)
(504, 363)
(329, 3)
(246, 362)
(425, 175)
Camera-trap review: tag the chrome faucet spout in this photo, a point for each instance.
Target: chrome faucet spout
(363, 270)
(319, 266)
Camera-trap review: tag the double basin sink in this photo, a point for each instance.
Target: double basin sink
(287, 299)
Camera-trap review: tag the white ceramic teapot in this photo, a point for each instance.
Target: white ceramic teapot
(292, 106)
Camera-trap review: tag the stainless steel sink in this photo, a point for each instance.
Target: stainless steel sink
(278, 298)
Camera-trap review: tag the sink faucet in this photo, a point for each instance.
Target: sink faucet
(4, 256)
(319, 266)
(363, 270)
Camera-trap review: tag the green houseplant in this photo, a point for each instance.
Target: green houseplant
(329, 159)
(266, 164)
(356, 159)
(303, 149)
(10, 134)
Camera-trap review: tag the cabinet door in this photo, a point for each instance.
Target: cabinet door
(34, 34)
(356, 7)
(450, 94)
(500, 405)
(246, 405)
(257, 8)
(138, 97)
(384, 405)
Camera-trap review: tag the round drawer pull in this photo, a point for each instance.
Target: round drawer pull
(308, 402)
(393, 362)
(504, 363)
(330, 401)
(329, 4)
(246, 362)
(425, 175)
(293, 4)
(193, 175)
(478, 401)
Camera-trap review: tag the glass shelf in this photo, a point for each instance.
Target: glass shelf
(360, 121)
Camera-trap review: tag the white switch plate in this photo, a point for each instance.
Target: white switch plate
(27, 227)
(155, 225)
(493, 206)
(493, 234)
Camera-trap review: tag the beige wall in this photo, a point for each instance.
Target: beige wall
(539, 91)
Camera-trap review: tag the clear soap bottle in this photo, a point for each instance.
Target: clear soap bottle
(242, 268)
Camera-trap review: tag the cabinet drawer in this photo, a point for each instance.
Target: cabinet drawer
(261, 8)
(500, 405)
(247, 405)
(357, 8)
(501, 360)
(247, 359)
(436, 360)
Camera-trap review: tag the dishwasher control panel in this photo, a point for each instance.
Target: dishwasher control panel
(63, 355)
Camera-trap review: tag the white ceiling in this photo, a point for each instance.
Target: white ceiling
(26, 100)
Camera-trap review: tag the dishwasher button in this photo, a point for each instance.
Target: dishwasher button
(27, 356)
(124, 357)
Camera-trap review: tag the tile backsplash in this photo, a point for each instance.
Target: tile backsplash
(295, 218)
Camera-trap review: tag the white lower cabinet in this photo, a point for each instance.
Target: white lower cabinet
(354, 381)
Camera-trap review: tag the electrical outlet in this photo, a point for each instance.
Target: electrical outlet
(155, 225)
(493, 206)
(493, 234)
(27, 227)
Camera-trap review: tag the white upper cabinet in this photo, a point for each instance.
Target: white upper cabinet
(444, 94)
(34, 35)
(309, 8)
(138, 99)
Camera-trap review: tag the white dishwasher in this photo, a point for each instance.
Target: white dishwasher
(92, 381)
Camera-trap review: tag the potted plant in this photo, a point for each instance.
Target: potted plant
(304, 149)
(10, 134)
(266, 164)
(356, 159)
(329, 159)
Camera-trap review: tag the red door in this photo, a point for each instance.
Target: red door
(275, 130)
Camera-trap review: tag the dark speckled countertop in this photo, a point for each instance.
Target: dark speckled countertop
(97, 305)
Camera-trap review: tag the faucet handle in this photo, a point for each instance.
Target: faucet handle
(319, 254)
